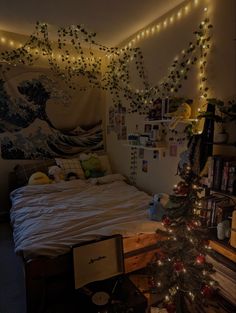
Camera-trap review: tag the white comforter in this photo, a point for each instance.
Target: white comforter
(48, 219)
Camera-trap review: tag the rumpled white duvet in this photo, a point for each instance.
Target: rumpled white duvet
(48, 219)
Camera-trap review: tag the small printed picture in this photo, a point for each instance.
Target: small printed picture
(173, 150)
(123, 132)
(141, 153)
(111, 116)
(156, 154)
(117, 119)
(123, 119)
(145, 166)
(147, 128)
(163, 155)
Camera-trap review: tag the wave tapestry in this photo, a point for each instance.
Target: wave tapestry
(41, 118)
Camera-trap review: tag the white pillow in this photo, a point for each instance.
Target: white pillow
(107, 179)
(71, 166)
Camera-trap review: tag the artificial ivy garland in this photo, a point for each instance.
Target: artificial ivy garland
(116, 77)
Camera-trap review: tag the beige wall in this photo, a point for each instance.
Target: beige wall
(159, 50)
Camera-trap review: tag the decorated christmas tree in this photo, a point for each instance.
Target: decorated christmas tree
(180, 271)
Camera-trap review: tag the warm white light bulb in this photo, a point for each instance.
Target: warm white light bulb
(167, 298)
(3, 39)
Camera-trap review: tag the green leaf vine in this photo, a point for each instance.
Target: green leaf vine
(78, 59)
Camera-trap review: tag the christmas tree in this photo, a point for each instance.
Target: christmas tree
(180, 271)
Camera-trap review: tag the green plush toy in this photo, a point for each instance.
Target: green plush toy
(92, 167)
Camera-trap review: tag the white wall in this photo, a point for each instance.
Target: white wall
(159, 51)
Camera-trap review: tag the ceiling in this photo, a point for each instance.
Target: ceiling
(112, 20)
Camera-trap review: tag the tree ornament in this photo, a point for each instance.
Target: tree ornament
(181, 188)
(178, 266)
(207, 291)
(166, 221)
(200, 259)
(170, 307)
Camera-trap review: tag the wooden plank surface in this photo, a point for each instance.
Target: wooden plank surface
(226, 251)
(140, 241)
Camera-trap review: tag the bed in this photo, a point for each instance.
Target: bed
(48, 220)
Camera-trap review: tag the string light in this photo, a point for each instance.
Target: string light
(145, 32)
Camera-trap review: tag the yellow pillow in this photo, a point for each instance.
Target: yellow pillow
(38, 178)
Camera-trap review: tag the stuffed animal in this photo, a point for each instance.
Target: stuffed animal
(92, 167)
(56, 173)
(182, 113)
(39, 178)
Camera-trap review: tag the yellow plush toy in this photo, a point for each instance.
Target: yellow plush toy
(182, 113)
(39, 178)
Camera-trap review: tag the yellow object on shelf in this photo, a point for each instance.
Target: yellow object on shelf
(233, 230)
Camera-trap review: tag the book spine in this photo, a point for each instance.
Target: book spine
(218, 166)
(210, 172)
(231, 179)
(225, 176)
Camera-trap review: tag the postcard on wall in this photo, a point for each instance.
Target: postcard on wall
(124, 133)
(156, 154)
(141, 153)
(147, 128)
(145, 166)
(111, 116)
(173, 150)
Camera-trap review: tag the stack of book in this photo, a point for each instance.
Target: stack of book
(222, 174)
(225, 275)
(215, 209)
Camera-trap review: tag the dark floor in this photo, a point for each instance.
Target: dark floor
(12, 293)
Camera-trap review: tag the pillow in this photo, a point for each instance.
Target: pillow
(70, 166)
(107, 179)
(92, 167)
(24, 171)
(104, 160)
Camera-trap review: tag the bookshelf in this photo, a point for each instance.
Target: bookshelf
(224, 152)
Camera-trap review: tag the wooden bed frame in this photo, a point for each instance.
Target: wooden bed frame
(50, 279)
